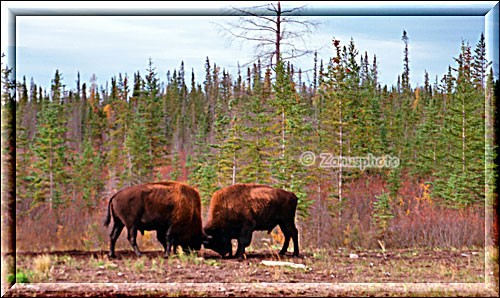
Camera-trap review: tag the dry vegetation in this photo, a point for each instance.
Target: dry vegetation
(418, 222)
(341, 266)
(337, 267)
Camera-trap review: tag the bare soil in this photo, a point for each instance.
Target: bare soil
(327, 272)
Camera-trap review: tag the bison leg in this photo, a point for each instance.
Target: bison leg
(295, 237)
(229, 248)
(289, 230)
(169, 239)
(115, 233)
(243, 241)
(132, 238)
(161, 235)
(286, 232)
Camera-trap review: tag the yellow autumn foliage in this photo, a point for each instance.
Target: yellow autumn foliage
(108, 109)
(417, 97)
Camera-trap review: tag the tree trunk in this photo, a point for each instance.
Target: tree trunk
(340, 162)
(129, 158)
(283, 127)
(463, 134)
(234, 167)
(51, 174)
(320, 213)
(278, 32)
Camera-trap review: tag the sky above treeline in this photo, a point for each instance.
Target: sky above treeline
(109, 45)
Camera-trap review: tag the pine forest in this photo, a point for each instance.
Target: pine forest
(78, 142)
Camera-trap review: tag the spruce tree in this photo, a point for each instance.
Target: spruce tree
(88, 179)
(287, 171)
(52, 154)
(258, 144)
(202, 173)
(152, 113)
(23, 152)
(461, 178)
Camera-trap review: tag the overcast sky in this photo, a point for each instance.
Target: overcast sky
(108, 45)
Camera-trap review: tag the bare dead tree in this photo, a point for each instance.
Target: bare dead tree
(275, 31)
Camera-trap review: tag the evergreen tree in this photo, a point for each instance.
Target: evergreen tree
(95, 117)
(175, 163)
(23, 153)
(258, 144)
(152, 113)
(203, 174)
(221, 124)
(461, 179)
(287, 172)
(428, 136)
(334, 121)
(118, 114)
(88, 179)
(136, 144)
(52, 156)
(480, 64)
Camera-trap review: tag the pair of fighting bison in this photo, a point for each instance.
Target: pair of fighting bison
(173, 209)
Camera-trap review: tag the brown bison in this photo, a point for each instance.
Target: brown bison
(238, 210)
(171, 208)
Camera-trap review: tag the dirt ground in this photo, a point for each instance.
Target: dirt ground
(325, 273)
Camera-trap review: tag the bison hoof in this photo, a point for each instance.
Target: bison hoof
(241, 257)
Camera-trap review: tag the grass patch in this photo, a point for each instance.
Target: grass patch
(187, 258)
(212, 262)
(42, 264)
(139, 265)
(68, 261)
(42, 268)
(97, 262)
(128, 263)
(319, 256)
(161, 260)
(154, 267)
(20, 277)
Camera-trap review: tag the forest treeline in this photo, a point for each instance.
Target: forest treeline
(79, 142)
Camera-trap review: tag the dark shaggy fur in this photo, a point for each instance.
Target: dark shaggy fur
(172, 209)
(238, 210)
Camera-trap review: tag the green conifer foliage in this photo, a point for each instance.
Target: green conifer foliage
(50, 170)
(202, 173)
(136, 145)
(461, 179)
(287, 172)
(89, 170)
(152, 114)
(23, 155)
(257, 142)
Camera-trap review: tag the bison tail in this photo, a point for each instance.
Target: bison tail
(108, 216)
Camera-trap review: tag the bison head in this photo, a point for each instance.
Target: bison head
(218, 243)
(195, 242)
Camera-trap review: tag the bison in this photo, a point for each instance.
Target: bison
(238, 210)
(171, 208)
